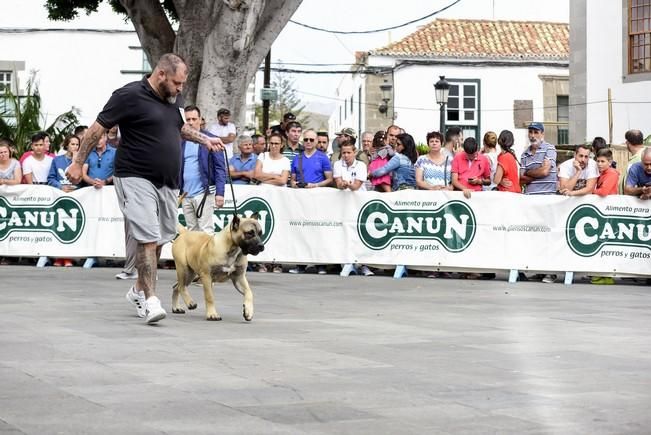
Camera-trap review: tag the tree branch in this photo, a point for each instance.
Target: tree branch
(152, 26)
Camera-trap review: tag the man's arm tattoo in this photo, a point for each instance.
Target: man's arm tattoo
(189, 133)
(91, 138)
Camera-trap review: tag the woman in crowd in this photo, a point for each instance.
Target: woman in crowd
(10, 171)
(58, 178)
(272, 168)
(507, 173)
(433, 170)
(401, 165)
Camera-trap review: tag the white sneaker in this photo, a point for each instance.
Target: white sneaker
(137, 299)
(127, 275)
(364, 270)
(548, 279)
(154, 311)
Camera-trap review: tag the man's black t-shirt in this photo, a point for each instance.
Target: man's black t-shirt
(150, 146)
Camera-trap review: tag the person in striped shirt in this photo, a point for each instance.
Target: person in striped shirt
(538, 172)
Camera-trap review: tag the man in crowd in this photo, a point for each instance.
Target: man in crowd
(293, 146)
(392, 135)
(470, 169)
(538, 171)
(201, 171)
(224, 129)
(638, 180)
(578, 176)
(538, 163)
(348, 136)
(242, 166)
(453, 141)
(282, 127)
(635, 146)
(323, 142)
(147, 166)
(259, 144)
(98, 168)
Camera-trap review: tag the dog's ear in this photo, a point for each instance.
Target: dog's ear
(235, 223)
(256, 216)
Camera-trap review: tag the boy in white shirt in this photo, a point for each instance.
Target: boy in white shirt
(36, 167)
(349, 173)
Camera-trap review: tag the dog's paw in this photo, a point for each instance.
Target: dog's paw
(247, 313)
(192, 305)
(213, 317)
(178, 310)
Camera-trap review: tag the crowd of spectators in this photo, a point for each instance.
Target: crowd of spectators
(288, 156)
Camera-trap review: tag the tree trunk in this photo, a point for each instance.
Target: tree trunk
(223, 42)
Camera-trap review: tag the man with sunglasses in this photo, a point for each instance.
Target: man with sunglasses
(98, 169)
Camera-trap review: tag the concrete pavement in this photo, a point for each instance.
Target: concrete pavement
(324, 355)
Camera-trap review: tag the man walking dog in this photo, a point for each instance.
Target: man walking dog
(151, 118)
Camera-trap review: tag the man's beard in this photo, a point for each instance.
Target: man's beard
(166, 94)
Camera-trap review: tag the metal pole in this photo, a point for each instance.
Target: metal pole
(266, 84)
(442, 120)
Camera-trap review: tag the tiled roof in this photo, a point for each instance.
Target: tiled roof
(484, 39)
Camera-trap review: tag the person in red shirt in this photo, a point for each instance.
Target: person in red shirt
(470, 169)
(608, 176)
(507, 174)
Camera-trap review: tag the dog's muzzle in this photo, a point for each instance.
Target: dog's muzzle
(253, 247)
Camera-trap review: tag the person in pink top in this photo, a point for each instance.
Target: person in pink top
(470, 169)
(608, 176)
(507, 174)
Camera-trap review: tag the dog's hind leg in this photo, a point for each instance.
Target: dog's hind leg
(184, 276)
(242, 285)
(211, 312)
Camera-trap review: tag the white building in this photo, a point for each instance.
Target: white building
(610, 49)
(503, 75)
(77, 67)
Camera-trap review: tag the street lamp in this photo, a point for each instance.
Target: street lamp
(442, 88)
(386, 88)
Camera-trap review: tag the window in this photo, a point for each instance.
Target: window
(145, 62)
(563, 118)
(345, 108)
(639, 36)
(463, 103)
(351, 104)
(5, 81)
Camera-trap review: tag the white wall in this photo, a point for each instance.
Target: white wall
(79, 69)
(604, 70)
(349, 86)
(418, 113)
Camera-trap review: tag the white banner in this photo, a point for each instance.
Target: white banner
(492, 230)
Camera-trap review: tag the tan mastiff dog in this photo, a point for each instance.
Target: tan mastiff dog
(215, 259)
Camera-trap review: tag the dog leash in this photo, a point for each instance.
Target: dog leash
(230, 181)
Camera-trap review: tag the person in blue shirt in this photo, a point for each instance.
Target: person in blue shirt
(98, 169)
(638, 180)
(200, 171)
(311, 168)
(401, 165)
(242, 165)
(57, 176)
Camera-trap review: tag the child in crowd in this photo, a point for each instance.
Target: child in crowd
(606, 185)
(608, 176)
(380, 157)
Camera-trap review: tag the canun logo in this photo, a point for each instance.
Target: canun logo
(64, 218)
(222, 217)
(453, 225)
(588, 230)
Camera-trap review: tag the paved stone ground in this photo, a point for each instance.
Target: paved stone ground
(325, 355)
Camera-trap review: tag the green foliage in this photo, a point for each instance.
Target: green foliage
(422, 149)
(288, 101)
(66, 10)
(21, 117)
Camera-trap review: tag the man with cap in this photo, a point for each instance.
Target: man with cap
(348, 136)
(225, 130)
(282, 127)
(538, 170)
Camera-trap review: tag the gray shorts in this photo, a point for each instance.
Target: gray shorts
(152, 213)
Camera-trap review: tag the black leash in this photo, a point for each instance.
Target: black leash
(230, 181)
